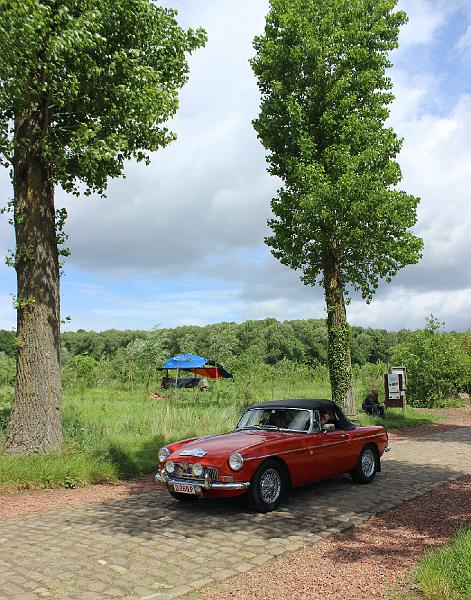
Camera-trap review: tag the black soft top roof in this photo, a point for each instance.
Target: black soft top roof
(309, 404)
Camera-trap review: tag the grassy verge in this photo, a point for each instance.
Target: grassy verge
(111, 433)
(396, 418)
(445, 574)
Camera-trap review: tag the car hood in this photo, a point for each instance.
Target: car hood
(220, 446)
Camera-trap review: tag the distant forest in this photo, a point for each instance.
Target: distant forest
(265, 341)
(257, 352)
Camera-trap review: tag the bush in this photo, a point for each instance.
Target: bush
(437, 364)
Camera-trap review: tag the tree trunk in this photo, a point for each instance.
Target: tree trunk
(339, 358)
(35, 421)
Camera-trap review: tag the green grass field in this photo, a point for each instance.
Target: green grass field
(111, 433)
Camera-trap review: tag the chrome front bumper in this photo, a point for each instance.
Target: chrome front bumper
(164, 479)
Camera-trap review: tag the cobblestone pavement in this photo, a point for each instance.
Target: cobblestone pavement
(152, 547)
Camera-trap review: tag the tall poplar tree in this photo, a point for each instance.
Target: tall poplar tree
(339, 216)
(85, 85)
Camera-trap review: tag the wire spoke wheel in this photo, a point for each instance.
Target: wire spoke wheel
(267, 487)
(270, 486)
(367, 465)
(368, 462)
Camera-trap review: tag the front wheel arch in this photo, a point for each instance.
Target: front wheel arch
(284, 466)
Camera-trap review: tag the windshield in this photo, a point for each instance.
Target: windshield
(292, 419)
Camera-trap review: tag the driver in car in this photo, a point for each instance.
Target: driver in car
(326, 417)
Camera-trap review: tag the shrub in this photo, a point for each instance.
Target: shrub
(437, 364)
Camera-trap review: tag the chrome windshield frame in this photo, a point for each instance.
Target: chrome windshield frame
(313, 427)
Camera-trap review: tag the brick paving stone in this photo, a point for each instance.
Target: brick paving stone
(112, 592)
(149, 546)
(223, 574)
(262, 559)
(203, 582)
(244, 567)
(180, 590)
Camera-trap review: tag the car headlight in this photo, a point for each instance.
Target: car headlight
(236, 462)
(197, 470)
(170, 466)
(163, 453)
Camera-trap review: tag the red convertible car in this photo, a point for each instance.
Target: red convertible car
(275, 446)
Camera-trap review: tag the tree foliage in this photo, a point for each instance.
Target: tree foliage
(321, 68)
(7, 370)
(7, 342)
(339, 217)
(266, 341)
(106, 73)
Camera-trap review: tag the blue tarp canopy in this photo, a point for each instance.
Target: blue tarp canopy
(185, 361)
(198, 364)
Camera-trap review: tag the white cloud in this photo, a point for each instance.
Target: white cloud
(425, 18)
(436, 162)
(6, 312)
(408, 308)
(197, 307)
(463, 45)
(197, 215)
(6, 231)
(208, 193)
(411, 93)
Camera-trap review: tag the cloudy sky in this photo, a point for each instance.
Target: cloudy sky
(181, 241)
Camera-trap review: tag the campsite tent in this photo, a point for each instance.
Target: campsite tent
(198, 365)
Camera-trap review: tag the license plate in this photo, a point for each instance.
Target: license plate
(184, 488)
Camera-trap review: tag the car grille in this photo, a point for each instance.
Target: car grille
(184, 470)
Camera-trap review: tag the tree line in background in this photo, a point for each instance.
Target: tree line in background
(438, 363)
(267, 340)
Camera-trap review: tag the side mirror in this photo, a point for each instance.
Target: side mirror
(328, 427)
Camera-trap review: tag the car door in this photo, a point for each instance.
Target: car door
(332, 450)
(299, 453)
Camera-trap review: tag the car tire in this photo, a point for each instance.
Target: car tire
(267, 487)
(183, 497)
(367, 465)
